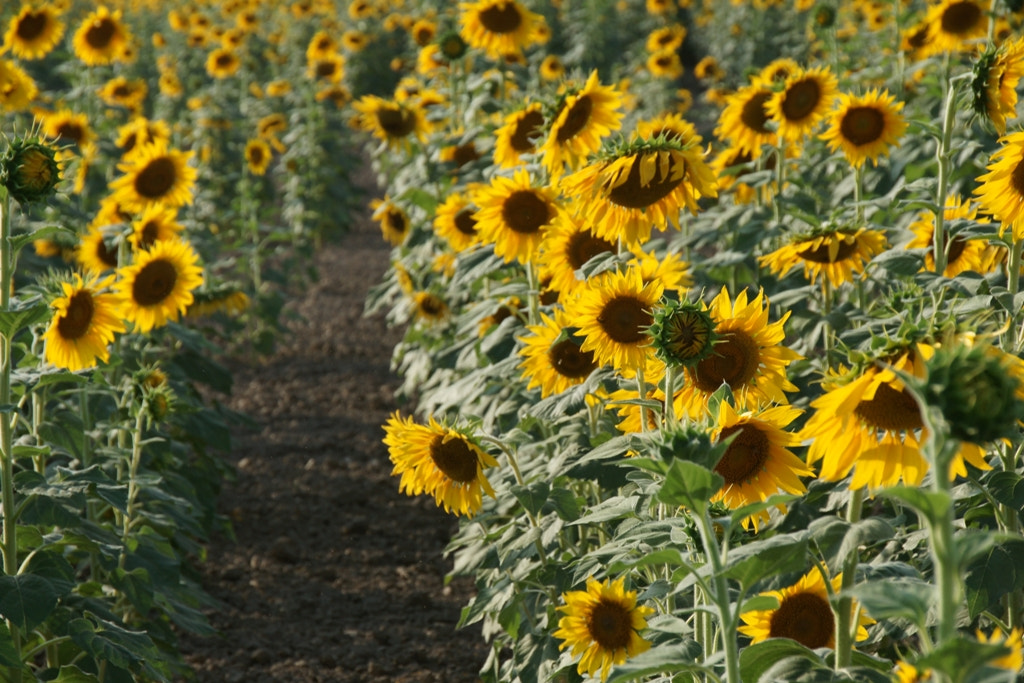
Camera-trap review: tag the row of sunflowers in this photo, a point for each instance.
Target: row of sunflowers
(713, 326)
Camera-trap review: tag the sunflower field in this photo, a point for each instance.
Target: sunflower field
(712, 318)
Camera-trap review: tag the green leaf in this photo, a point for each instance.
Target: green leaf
(992, 576)
(26, 600)
(1007, 488)
(749, 564)
(757, 659)
(564, 503)
(931, 504)
(672, 658)
(533, 496)
(898, 261)
(615, 507)
(136, 585)
(72, 674)
(8, 655)
(863, 532)
(896, 598)
(18, 242)
(959, 658)
(11, 322)
(113, 643)
(690, 485)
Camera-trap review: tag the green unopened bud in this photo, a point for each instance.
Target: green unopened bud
(978, 391)
(682, 334)
(452, 45)
(824, 16)
(29, 171)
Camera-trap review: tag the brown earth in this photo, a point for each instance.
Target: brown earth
(334, 575)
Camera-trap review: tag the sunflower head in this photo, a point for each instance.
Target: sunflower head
(824, 15)
(29, 170)
(682, 334)
(451, 45)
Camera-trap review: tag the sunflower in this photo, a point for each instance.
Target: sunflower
(1001, 192)
(84, 323)
(996, 75)
(517, 135)
(583, 118)
(155, 174)
(671, 126)
(730, 165)
(394, 222)
(757, 464)
(257, 156)
(122, 92)
(96, 253)
(329, 68)
(498, 27)
(224, 299)
(430, 307)
(514, 215)
(338, 94)
(33, 32)
(17, 89)
(222, 62)
(612, 312)
(354, 41)
(873, 426)
(568, 245)
(805, 98)
(643, 185)
(666, 38)
(552, 68)
(156, 224)
(423, 32)
(963, 254)
(1014, 661)
(158, 285)
(603, 624)
(101, 37)
(744, 120)
(141, 131)
(804, 614)
(670, 270)
(68, 128)
(954, 25)
(664, 64)
(777, 71)
(390, 121)
(552, 357)
(747, 357)
(440, 461)
(839, 254)
(865, 126)
(455, 221)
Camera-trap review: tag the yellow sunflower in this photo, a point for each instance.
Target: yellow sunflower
(955, 25)
(392, 122)
(1001, 192)
(963, 254)
(101, 37)
(85, 321)
(838, 254)
(583, 118)
(455, 221)
(498, 27)
(123, 92)
(804, 614)
(440, 461)
(757, 464)
(665, 64)
(552, 357)
(155, 174)
(996, 77)
(394, 222)
(329, 68)
(33, 32)
(156, 224)
(222, 62)
(17, 89)
(670, 270)
(777, 71)
(603, 624)
(568, 245)
(805, 98)
(873, 426)
(157, 286)
(1014, 661)
(518, 135)
(612, 312)
(730, 165)
(865, 126)
(141, 131)
(68, 128)
(429, 307)
(669, 37)
(423, 32)
(258, 156)
(552, 68)
(354, 41)
(514, 215)
(748, 357)
(96, 252)
(640, 187)
(744, 120)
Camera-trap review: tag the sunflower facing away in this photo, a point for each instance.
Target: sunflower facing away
(805, 98)
(758, 463)
(583, 118)
(603, 624)
(514, 215)
(518, 135)
(498, 27)
(837, 254)
(439, 461)
(1001, 192)
(612, 312)
(33, 32)
(157, 286)
(962, 254)
(101, 37)
(996, 75)
(640, 187)
(552, 357)
(85, 321)
(804, 614)
(748, 357)
(865, 126)
(455, 221)
(155, 174)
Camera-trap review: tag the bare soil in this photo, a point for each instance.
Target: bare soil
(333, 575)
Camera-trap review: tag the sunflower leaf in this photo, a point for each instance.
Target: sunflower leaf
(757, 659)
(674, 658)
(26, 600)
(13, 321)
(689, 484)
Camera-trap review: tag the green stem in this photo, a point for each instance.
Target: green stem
(133, 482)
(1009, 521)
(939, 247)
(532, 293)
(641, 387)
(669, 415)
(1013, 286)
(858, 194)
(727, 617)
(845, 626)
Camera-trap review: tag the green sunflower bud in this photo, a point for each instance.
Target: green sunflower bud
(824, 16)
(977, 389)
(29, 171)
(979, 80)
(682, 333)
(452, 45)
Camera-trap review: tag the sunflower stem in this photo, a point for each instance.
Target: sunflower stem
(669, 415)
(1009, 521)
(133, 482)
(845, 625)
(858, 194)
(532, 293)
(641, 387)
(943, 156)
(727, 618)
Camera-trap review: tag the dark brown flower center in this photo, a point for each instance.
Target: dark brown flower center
(1017, 178)
(464, 154)
(149, 234)
(156, 179)
(101, 33)
(501, 18)
(801, 99)
(631, 194)
(524, 212)
(862, 125)
(625, 320)
(570, 361)
(527, 127)
(734, 362)
(396, 121)
(70, 132)
(326, 68)
(396, 221)
(753, 114)
(610, 625)
(820, 253)
(961, 17)
(154, 283)
(745, 456)
(465, 222)
(584, 246)
(454, 458)
(956, 248)
(76, 320)
(806, 618)
(576, 120)
(105, 254)
(890, 409)
(256, 156)
(225, 60)
(32, 25)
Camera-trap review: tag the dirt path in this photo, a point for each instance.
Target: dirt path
(335, 576)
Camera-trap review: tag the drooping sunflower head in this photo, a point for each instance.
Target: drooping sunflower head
(582, 118)
(155, 174)
(85, 321)
(518, 135)
(865, 126)
(1001, 190)
(552, 357)
(514, 215)
(157, 287)
(839, 254)
(101, 37)
(805, 98)
(498, 27)
(602, 625)
(996, 74)
(33, 32)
